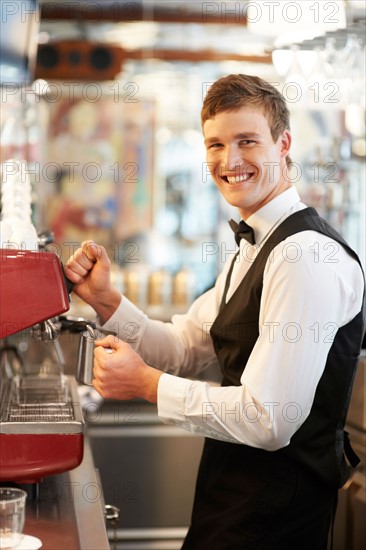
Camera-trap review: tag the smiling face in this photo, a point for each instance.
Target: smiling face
(247, 166)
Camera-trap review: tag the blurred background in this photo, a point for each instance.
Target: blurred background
(109, 123)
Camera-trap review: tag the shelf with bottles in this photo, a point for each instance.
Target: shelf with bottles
(159, 292)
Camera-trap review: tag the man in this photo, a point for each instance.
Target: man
(284, 322)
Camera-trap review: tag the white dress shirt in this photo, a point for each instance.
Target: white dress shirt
(311, 287)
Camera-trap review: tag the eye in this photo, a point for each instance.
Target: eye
(246, 142)
(214, 145)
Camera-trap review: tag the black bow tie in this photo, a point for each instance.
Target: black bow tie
(242, 231)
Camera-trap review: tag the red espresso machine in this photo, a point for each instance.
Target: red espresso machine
(41, 422)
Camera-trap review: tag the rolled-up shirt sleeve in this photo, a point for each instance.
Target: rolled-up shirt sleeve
(181, 347)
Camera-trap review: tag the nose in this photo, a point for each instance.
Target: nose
(232, 158)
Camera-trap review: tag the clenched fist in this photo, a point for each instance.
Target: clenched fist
(89, 269)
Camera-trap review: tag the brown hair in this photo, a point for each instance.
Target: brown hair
(232, 92)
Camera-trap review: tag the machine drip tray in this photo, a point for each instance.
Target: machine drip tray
(36, 404)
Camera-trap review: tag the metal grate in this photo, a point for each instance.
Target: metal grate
(40, 412)
(30, 389)
(37, 398)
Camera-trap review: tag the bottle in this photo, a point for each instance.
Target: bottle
(16, 227)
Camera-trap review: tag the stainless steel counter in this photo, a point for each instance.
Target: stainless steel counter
(69, 512)
(148, 470)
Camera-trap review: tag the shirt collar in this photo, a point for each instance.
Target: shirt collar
(266, 217)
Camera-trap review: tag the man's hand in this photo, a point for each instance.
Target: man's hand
(120, 373)
(89, 269)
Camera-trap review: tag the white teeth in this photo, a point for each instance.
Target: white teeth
(238, 179)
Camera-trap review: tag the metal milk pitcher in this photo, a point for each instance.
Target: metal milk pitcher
(84, 370)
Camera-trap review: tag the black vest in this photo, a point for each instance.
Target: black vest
(319, 444)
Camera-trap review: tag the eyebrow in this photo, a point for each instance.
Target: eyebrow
(245, 135)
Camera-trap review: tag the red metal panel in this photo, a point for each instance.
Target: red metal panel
(26, 458)
(32, 289)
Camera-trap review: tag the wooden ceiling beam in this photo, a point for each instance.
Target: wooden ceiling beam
(194, 55)
(127, 12)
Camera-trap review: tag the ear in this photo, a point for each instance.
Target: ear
(285, 143)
